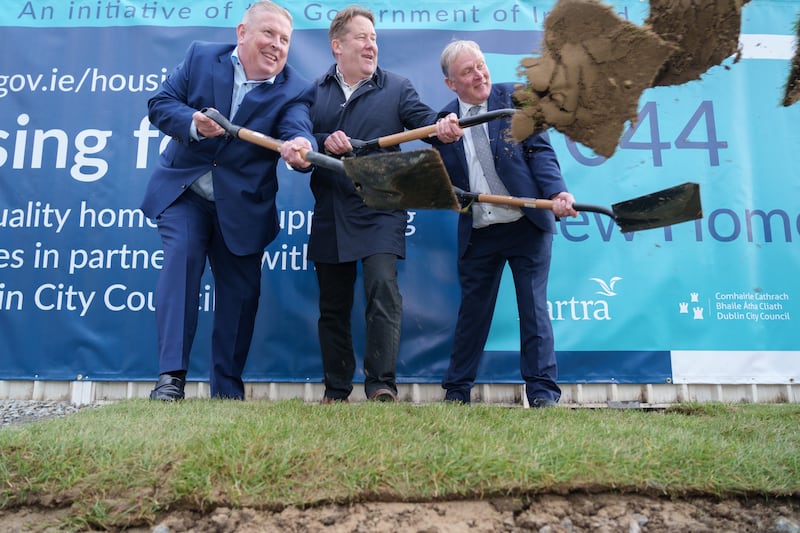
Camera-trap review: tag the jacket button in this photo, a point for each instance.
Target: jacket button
(214, 163)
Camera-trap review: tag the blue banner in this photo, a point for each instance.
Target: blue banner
(711, 300)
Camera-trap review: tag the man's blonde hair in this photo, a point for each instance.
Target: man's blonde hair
(266, 5)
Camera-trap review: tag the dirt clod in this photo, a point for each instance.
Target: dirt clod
(594, 65)
(792, 92)
(704, 35)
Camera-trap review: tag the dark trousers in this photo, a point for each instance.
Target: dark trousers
(384, 309)
(190, 233)
(527, 250)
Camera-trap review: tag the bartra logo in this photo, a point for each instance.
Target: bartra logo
(574, 309)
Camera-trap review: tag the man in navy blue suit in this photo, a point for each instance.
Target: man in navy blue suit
(213, 196)
(490, 236)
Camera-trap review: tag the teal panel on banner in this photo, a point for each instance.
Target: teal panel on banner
(441, 14)
(79, 262)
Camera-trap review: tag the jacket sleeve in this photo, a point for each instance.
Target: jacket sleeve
(543, 164)
(413, 113)
(295, 119)
(168, 109)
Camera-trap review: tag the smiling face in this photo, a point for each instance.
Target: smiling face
(469, 77)
(263, 39)
(356, 51)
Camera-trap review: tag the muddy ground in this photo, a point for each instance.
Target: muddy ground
(549, 513)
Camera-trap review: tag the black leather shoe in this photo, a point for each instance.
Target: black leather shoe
(168, 388)
(541, 403)
(456, 401)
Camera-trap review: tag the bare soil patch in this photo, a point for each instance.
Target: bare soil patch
(548, 513)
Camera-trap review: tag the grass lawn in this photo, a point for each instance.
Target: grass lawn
(133, 459)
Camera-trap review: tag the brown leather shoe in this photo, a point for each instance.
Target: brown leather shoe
(383, 395)
(328, 401)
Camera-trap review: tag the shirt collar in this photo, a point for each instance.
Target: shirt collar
(359, 83)
(465, 107)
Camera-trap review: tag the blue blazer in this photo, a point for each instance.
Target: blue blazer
(529, 168)
(244, 174)
(344, 229)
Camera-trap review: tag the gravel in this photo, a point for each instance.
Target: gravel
(17, 412)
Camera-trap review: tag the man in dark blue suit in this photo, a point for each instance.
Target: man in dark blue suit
(356, 98)
(490, 236)
(213, 197)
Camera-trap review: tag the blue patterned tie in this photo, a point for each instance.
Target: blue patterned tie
(484, 152)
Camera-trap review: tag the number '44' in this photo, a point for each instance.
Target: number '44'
(703, 116)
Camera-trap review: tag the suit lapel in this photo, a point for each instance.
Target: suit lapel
(494, 125)
(256, 97)
(248, 104)
(458, 146)
(223, 84)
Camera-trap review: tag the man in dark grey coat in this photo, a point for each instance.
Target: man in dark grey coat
(357, 99)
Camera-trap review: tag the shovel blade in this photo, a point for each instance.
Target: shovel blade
(656, 210)
(415, 179)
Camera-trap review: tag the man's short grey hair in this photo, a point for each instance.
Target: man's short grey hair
(265, 5)
(453, 50)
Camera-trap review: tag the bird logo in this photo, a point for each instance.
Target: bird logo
(607, 288)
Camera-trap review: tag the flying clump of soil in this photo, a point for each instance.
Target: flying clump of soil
(792, 91)
(594, 65)
(705, 34)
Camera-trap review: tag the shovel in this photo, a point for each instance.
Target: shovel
(655, 210)
(429, 131)
(414, 179)
(663, 208)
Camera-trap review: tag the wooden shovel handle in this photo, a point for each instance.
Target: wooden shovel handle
(271, 143)
(266, 141)
(516, 201)
(429, 131)
(520, 201)
(406, 136)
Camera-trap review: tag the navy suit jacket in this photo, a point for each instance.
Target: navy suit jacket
(244, 174)
(344, 229)
(529, 168)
